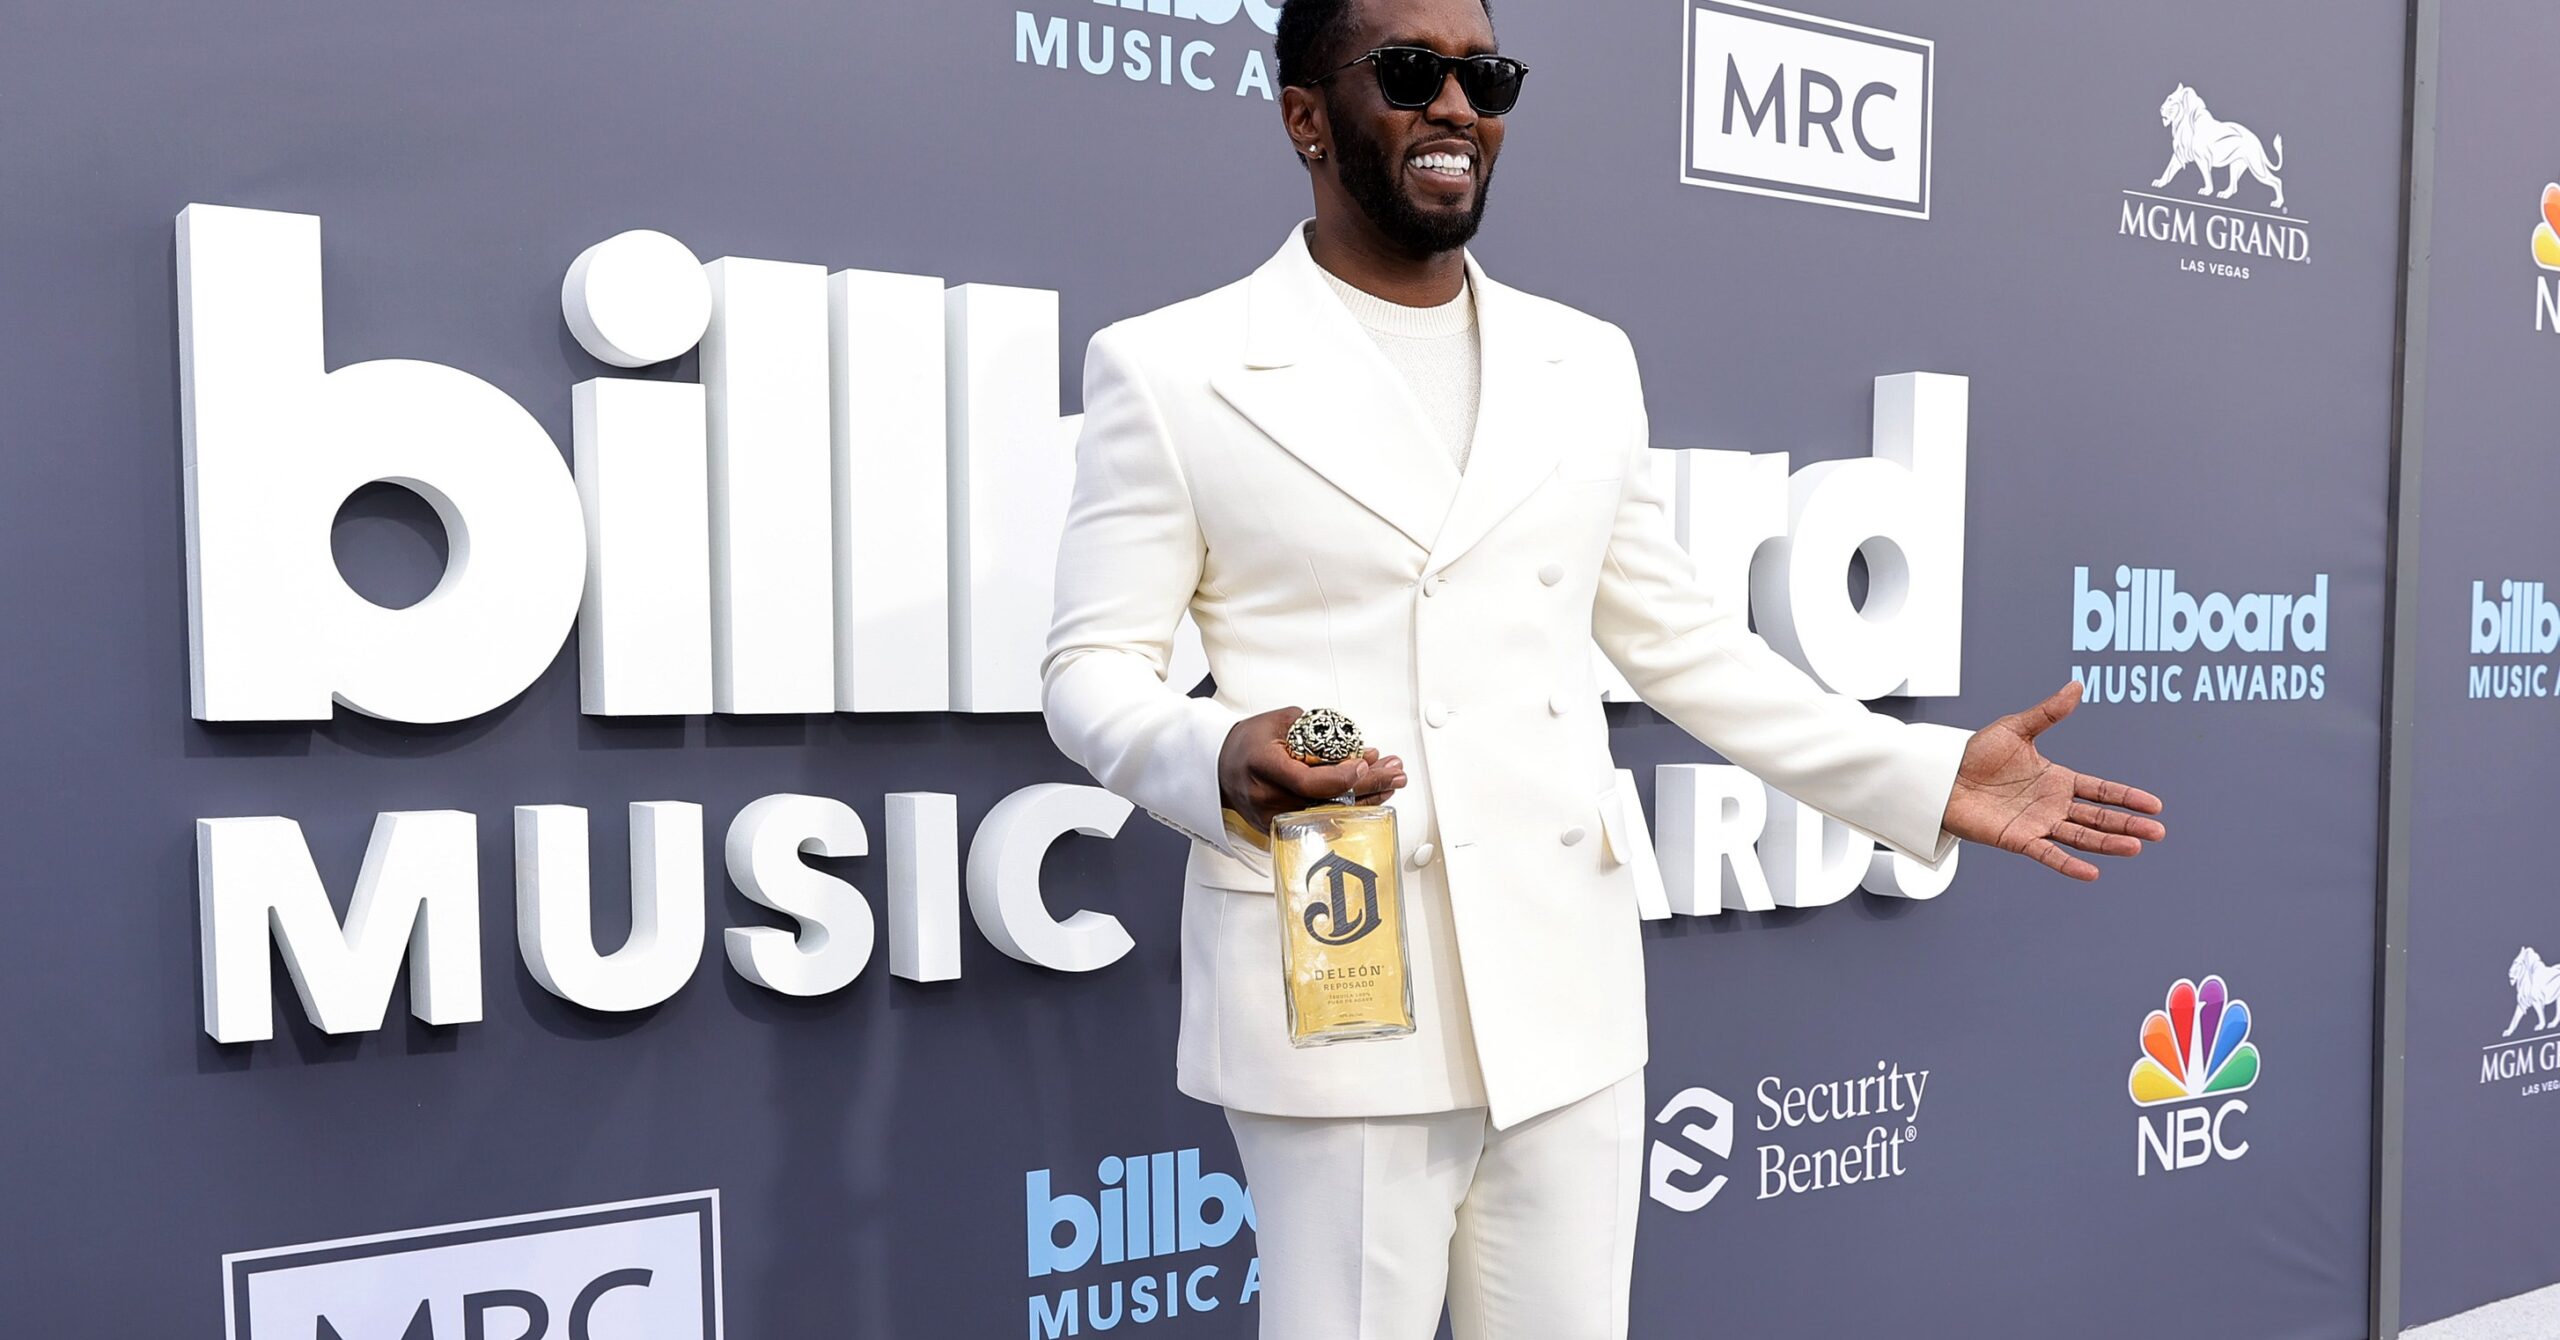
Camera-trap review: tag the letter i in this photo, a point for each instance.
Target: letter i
(2124, 609)
(644, 630)
(1113, 1226)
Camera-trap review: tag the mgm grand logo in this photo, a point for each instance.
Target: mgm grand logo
(2205, 222)
(1331, 917)
(2530, 1061)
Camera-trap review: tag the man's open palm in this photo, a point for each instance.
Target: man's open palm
(2009, 796)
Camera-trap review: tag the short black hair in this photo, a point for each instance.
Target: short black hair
(1311, 36)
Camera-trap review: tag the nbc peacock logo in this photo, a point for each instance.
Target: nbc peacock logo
(2195, 1050)
(2546, 254)
(2196, 1047)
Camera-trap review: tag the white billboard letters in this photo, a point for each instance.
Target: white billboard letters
(418, 898)
(552, 903)
(855, 511)
(274, 444)
(833, 943)
(417, 901)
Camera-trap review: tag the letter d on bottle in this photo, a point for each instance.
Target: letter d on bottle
(274, 445)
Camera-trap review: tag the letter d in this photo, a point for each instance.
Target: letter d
(1902, 510)
(274, 445)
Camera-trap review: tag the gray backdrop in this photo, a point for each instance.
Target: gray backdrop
(2478, 1148)
(870, 1148)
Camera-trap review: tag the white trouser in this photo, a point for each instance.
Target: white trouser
(1365, 1223)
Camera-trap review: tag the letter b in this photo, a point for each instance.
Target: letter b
(2093, 615)
(2178, 619)
(274, 445)
(1043, 1213)
(2487, 620)
(1198, 1192)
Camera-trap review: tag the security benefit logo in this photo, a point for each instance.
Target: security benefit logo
(2223, 231)
(2515, 628)
(1786, 104)
(2546, 258)
(638, 1270)
(2196, 1060)
(1196, 46)
(2138, 635)
(2531, 1062)
(1140, 1247)
(1813, 1137)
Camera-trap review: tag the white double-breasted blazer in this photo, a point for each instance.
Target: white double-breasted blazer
(1250, 456)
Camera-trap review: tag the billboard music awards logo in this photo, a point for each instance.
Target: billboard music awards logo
(1119, 42)
(1819, 1136)
(1805, 108)
(638, 1270)
(2546, 254)
(2528, 1058)
(2158, 643)
(2226, 238)
(719, 547)
(2514, 630)
(1149, 1219)
(2195, 1050)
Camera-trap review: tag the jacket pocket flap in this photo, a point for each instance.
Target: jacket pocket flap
(1613, 825)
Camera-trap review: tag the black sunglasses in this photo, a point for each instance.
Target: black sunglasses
(1410, 77)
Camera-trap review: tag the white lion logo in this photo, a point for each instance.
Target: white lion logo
(2537, 989)
(2195, 136)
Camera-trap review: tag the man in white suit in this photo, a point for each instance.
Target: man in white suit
(1381, 482)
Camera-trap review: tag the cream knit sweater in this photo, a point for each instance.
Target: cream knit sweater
(1435, 349)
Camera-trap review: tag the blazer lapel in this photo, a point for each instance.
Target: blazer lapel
(1316, 384)
(1520, 427)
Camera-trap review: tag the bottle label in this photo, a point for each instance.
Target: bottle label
(1341, 924)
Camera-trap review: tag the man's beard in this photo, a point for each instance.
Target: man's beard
(1369, 175)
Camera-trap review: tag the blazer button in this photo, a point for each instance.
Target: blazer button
(1558, 704)
(1422, 855)
(1551, 573)
(1436, 715)
(1572, 835)
(1431, 585)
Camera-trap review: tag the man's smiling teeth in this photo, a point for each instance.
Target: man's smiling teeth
(1447, 165)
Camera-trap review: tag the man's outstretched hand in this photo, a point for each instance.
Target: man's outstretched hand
(2009, 796)
(1258, 777)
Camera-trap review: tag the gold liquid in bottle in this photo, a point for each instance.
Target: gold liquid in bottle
(1342, 942)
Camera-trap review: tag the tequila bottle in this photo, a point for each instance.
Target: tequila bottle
(1345, 967)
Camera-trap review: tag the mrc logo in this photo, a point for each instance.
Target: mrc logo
(1786, 104)
(2195, 1050)
(636, 1270)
